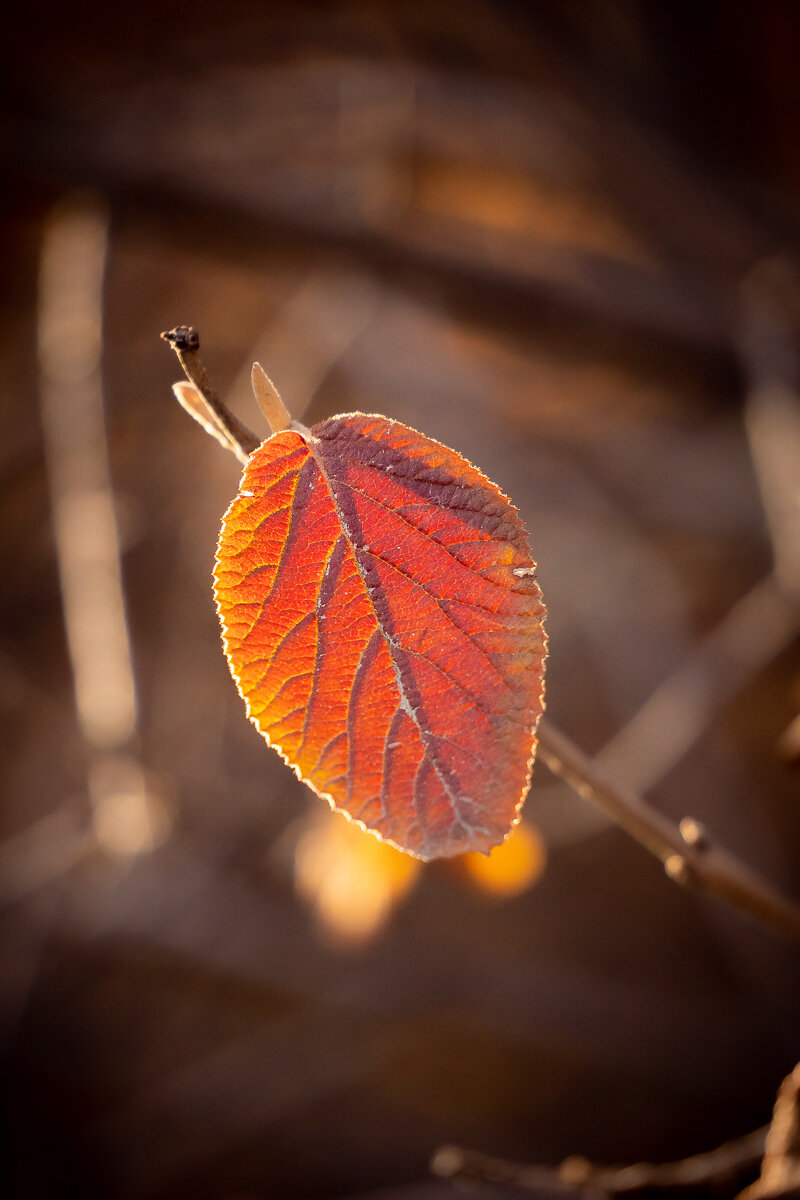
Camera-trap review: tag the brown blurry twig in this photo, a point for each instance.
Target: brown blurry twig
(689, 855)
(577, 1177)
(687, 852)
(780, 1169)
(127, 816)
(776, 1148)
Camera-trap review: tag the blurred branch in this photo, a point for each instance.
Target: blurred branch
(772, 408)
(72, 267)
(688, 854)
(577, 1177)
(770, 300)
(754, 631)
(759, 626)
(686, 850)
(126, 817)
(780, 1170)
(314, 328)
(776, 1147)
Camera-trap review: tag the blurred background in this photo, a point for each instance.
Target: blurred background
(562, 238)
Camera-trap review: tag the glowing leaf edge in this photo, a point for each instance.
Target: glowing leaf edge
(309, 438)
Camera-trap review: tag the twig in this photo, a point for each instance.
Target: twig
(126, 817)
(770, 297)
(310, 335)
(754, 631)
(70, 331)
(471, 1167)
(579, 1177)
(776, 1148)
(185, 341)
(687, 852)
(780, 1170)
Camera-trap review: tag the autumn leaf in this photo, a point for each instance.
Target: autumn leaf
(383, 624)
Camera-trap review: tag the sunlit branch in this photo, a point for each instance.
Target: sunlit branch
(577, 1177)
(185, 341)
(689, 855)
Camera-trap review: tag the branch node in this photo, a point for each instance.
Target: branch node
(679, 869)
(694, 833)
(448, 1161)
(688, 853)
(182, 338)
(575, 1170)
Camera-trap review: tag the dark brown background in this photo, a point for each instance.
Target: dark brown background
(525, 229)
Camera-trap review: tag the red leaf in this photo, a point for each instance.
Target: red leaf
(383, 625)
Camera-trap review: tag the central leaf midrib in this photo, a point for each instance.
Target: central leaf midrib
(389, 642)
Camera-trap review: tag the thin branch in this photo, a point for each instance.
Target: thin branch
(185, 341)
(686, 850)
(126, 817)
(775, 1148)
(688, 854)
(754, 631)
(577, 1177)
(780, 1170)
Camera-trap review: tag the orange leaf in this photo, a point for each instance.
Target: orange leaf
(382, 622)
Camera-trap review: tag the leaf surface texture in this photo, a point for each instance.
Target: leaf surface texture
(384, 626)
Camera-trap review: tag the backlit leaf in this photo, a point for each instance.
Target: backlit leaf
(383, 624)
